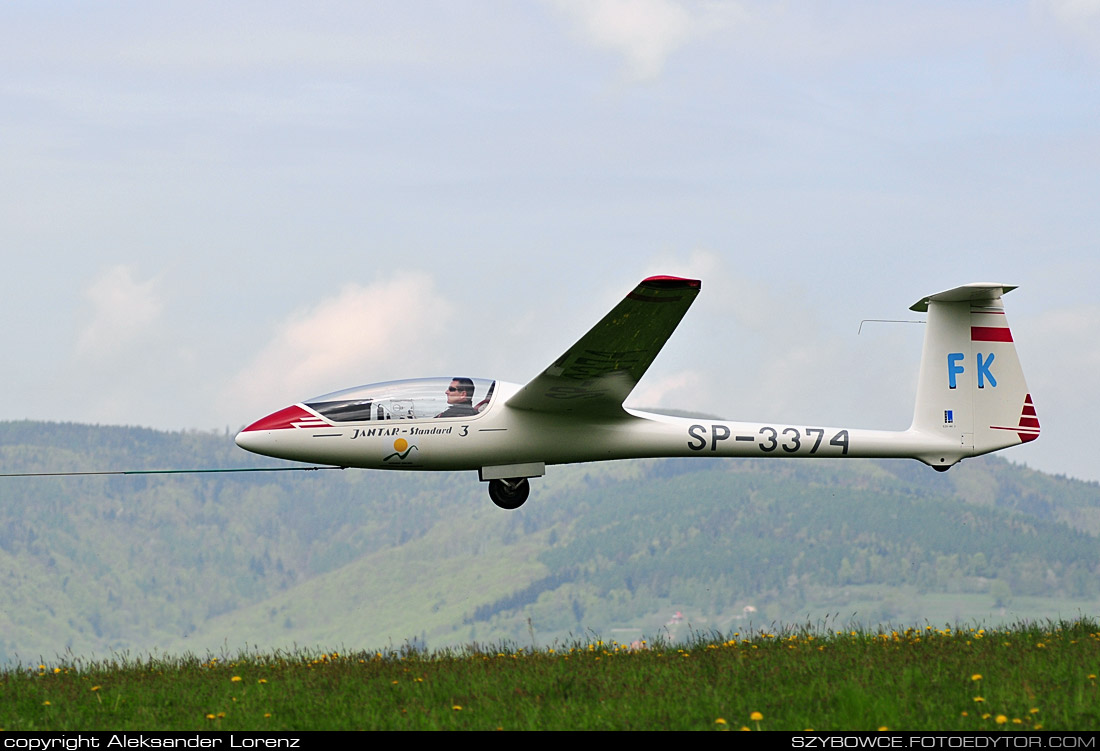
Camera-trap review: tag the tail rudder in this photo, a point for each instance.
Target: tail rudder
(971, 386)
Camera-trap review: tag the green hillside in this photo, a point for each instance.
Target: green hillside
(361, 560)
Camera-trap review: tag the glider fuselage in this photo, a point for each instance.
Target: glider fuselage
(501, 435)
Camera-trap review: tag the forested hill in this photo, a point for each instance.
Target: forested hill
(359, 559)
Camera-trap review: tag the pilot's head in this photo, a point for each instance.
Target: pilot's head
(461, 391)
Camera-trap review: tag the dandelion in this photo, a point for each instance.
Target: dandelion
(46, 703)
(1033, 710)
(262, 680)
(976, 677)
(235, 679)
(979, 699)
(756, 717)
(96, 688)
(1001, 719)
(720, 721)
(457, 708)
(209, 716)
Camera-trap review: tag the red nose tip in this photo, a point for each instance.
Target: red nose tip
(284, 418)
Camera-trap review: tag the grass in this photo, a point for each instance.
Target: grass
(1025, 677)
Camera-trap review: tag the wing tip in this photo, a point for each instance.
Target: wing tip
(671, 282)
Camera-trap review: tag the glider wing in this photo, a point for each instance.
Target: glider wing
(597, 373)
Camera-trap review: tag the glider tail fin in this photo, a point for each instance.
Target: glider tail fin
(971, 386)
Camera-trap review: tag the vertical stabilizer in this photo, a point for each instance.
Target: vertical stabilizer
(971, 387)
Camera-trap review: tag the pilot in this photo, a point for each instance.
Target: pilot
(460, 399)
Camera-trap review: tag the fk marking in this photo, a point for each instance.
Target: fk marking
(955, 368)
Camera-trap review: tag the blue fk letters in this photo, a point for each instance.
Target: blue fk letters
(954, 368)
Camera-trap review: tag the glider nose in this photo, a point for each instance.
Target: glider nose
(261, 436)
(249, 440)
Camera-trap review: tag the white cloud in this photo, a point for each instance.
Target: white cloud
(1073, 11)
(124, 309)
(675, 390)
(644, 32)
(390, 329)
(1079, 18)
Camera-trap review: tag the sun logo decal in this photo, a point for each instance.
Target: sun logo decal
(401, 450)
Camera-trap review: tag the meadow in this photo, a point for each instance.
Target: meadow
(1025, 677)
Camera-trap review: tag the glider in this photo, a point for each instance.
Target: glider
(971, 400)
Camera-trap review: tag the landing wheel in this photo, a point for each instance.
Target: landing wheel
(509, 494)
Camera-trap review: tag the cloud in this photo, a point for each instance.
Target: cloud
(644, 32)
(1073, 11)
(673, 390)
(124, 310)
(390, 329)
(1080, 18)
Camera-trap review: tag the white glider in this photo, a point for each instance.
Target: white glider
(971, 400)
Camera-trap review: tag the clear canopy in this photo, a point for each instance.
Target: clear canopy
(414, 399)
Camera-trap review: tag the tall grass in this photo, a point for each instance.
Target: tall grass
(1029, 676)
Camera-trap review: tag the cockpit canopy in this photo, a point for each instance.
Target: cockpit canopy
(413, 399)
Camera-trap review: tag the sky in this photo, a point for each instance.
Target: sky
(212, 210)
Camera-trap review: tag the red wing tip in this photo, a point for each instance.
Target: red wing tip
(671, 282)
